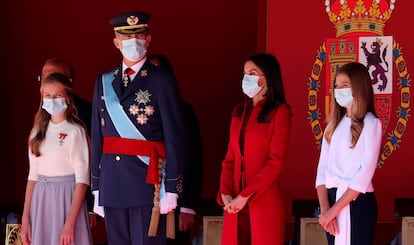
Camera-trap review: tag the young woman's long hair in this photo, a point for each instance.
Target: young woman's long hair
(42, 117)
(363, 103)
(275, 94)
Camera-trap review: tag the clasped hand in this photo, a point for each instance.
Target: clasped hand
(328, 221)
(233, 206)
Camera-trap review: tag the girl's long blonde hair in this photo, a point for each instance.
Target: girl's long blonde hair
(363, 103)
(42, 118)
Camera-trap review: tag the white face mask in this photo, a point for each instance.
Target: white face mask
(133, 49)
(250, 85)
(54, 106)
(343, 97)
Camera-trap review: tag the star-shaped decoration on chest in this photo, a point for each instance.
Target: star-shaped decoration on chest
(143, 97)
(142, 119)
(134, 109)
(149, 110)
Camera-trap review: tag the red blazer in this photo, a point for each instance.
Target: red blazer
(264, 153)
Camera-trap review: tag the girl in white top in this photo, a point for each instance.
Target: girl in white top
(55, 209)
(348, 159)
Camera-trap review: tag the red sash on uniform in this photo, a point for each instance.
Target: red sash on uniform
(153, 149)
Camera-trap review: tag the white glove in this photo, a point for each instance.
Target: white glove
(99, 210)
(168, 203)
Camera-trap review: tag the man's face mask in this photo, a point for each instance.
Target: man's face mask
(133, 49)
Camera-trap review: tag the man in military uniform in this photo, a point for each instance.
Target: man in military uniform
(138, 140)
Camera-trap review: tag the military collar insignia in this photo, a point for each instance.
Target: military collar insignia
(116, 71)
(143, 73)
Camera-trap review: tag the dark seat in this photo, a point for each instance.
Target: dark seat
(302, 208)
(403, 207)
(8, 210)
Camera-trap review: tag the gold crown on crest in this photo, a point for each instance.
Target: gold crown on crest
(363, 16)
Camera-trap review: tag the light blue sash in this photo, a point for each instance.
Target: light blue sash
(121, 121)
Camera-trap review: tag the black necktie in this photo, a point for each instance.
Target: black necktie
(127, 80)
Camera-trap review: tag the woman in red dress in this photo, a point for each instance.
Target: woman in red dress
(259, 135)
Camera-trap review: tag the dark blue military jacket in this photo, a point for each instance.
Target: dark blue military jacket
(153, 105)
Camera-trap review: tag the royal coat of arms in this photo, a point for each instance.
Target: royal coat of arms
(359, 37)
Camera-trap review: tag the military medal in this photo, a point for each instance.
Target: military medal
(142, 119)
(125, 81)
(143, 97)
(62, 137)
(144, 73)
(141, 110)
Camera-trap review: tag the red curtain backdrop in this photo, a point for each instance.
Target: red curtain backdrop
(208, 42)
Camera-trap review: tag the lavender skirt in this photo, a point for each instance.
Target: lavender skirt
(51, 200)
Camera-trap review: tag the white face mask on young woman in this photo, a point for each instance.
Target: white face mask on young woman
(133, 49)
(54, 106)
(250, 85)
(343, 97)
